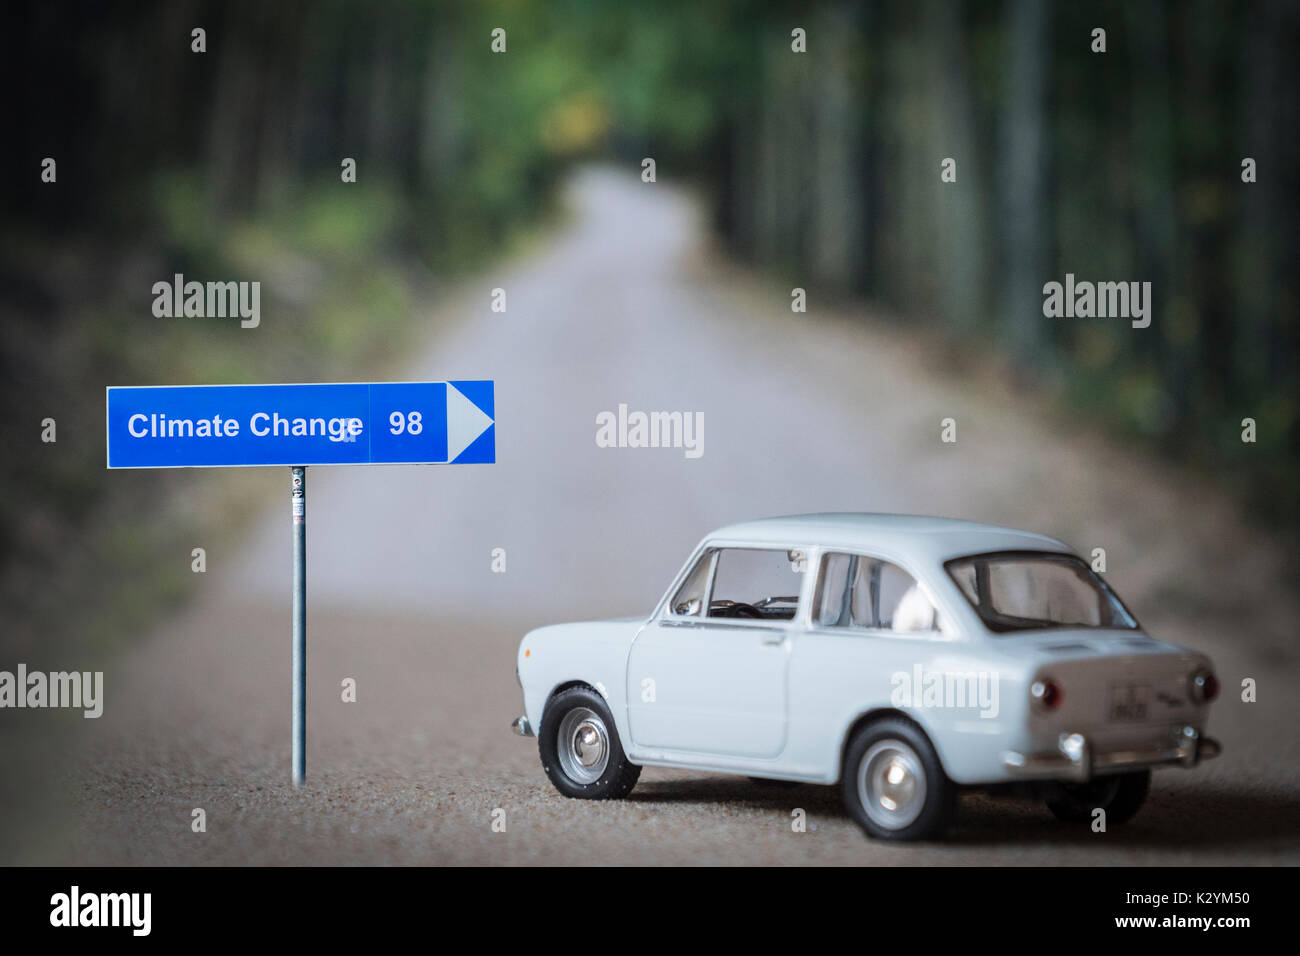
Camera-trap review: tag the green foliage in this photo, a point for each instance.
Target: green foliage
(227, 163)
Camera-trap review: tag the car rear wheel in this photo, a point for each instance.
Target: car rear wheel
(1120, 795)
(580, 749)
(893, 783)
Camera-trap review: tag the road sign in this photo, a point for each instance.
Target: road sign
(225, 426)
(233, 426)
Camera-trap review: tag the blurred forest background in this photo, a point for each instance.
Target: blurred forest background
(821, 167)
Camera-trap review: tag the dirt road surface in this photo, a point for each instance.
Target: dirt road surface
(824, 411)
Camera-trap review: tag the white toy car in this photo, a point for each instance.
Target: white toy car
(903, 657)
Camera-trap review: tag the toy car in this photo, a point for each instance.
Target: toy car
(902, 657)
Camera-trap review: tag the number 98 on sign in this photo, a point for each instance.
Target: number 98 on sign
(412, 425)
(430, 421)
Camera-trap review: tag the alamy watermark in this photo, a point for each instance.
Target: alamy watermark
(1103, 300)
(128, 910)
(77, 689)
(210, 300)
(922, 688)
(624, 429)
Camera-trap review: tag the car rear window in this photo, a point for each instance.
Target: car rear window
(1027, 591)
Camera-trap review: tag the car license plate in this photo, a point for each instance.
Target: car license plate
(1129, 701)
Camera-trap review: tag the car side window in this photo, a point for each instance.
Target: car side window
(858, 591)
(833, 594)
(757, 584)
(689, 599)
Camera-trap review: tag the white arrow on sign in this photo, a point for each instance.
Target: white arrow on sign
(465, 422)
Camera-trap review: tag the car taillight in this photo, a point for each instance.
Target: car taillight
(1203, 686)
(1046, 694)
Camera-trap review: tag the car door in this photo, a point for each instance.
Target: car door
(708, 675)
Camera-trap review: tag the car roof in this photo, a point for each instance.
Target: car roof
(919, 536)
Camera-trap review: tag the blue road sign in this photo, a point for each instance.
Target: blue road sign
(223, 426)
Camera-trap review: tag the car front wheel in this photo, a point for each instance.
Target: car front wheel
(893, 783)
(580, 748)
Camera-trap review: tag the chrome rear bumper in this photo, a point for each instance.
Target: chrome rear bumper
(521, 726)
(1076, 760)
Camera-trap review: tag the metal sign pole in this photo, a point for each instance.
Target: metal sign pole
(299, 482)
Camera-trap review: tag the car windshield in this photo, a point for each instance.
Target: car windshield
(1027, 591)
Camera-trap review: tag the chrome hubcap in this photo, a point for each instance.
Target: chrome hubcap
(891, 784)
(583, 745)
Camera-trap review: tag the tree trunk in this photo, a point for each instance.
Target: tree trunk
(1023, 177)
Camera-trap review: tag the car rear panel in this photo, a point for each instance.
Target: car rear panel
(1121, 689)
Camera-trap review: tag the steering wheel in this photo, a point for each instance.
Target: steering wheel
(741, 609)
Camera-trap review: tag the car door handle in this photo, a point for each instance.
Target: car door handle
(774, 641)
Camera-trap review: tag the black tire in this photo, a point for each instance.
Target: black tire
(770, 783)
(1121, 796)
(615, 778)
(894, 741)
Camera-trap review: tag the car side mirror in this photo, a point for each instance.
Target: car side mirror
(688, 608)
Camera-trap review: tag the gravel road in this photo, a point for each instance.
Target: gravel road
(832, 410)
